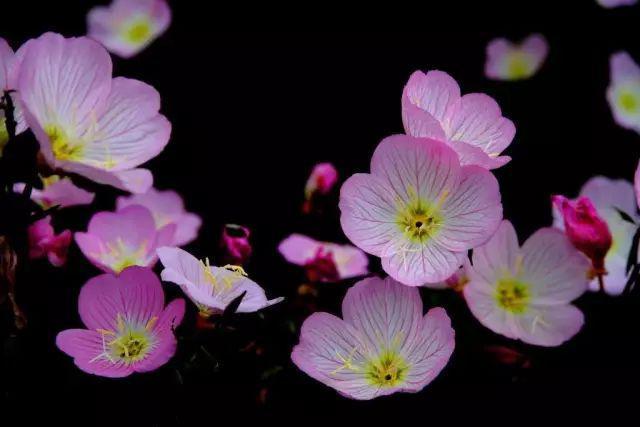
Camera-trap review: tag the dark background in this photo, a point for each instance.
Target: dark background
(252, 112)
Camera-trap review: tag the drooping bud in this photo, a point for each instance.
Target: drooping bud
(235, 244)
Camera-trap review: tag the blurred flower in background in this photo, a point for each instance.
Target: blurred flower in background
(623, 92)
(126, 27)
(235, 244)
(515, 61)
(9, 67)
(323, 178)
(128, 327)
(615, 3)
(44, 242)
(56, 191)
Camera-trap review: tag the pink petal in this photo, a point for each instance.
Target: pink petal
(623, 68)
(418, 265)
(549, 326)
(433, 92)
(168, 321)
(298, 249)
(496, 257)
(419, 123)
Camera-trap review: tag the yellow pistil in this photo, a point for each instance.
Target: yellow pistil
(519, 66)
(138, 31)
(512, 295)
(120, 256)
(63, 147)
(629, 102)
(129, 344)
(214, 280)
(419, 219)
(387, 370)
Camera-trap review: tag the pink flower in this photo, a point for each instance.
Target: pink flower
(86, 121)
(608, 4)
(61, 192)
(587, 231)
(117, 240)
(324, 261)
(167, 208)
(509, 61)
(471, 124)
(322, 179)
(128, 26)
(128, 327)
(525, 292)
(43, 242)
(623, 93)
(384, 344)
(212, 288)
(235, 244)
(9, 67)
(608, 196)
(419, 210)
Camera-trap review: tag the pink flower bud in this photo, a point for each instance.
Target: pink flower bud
(587, 231)
(323, 177)
(43, 242)
(235, 244)
(322, 268)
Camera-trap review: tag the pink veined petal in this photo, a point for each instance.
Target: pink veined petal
(136, 295)
(384, 311)
(65, 193)
(298, 249)
(166, 345)
(134, 180)
(325, 343)
(417, 265)
(130, 129)
(430, 350)
(412, 167)
(497, 257)
(419, 123)
(549, 326)
(132, 226)
(63, 82)
(481, 299)
(475, 156)
(554, 269)
(433, 92)
(607, 194)
(369, 214)
(86, 347)
(472, 212)
(476, 119)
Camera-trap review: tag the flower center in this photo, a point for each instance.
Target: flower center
(388, 370)
(420, 221)
(518, 67)
(139, 31)
(512, 295)
(130, 344)
(628, 102)
(61, 145)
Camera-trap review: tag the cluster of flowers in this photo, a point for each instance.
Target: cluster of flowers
(429, 199)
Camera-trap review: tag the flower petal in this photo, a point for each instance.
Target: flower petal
(419, 264)
(433, 92)
(549, 326)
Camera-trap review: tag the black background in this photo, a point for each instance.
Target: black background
(252, 112)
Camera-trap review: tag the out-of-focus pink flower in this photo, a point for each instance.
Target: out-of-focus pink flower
(117, 240)
(235, 244)
(128, 26)
(510, 61)
(526, 292)
(128, 327)
(623, 93)
(212, 288)
(472, 124)
(321, 181)
(587, 231)
(419, 210)
(608, 4)
(608, 196)
(43, 242)
(324, 261)
(61, 192)
(384, 344)
(167, 208)
(9, 66)
(87, 122)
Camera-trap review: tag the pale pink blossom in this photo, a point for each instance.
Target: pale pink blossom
(128, 327)
(117, 240)
(44, 242)
(167, 208)
(623, 93)
(608, 196)
(61, 192)
(515, 61)
(212, 288)
(472, 125)
(322, 179)
(126, 27)
(383, 345)
(87, 122)
(324, 261)
(526, 292)
(419, 210)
